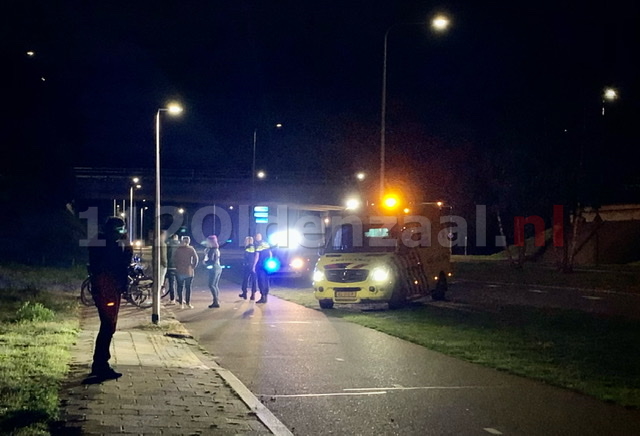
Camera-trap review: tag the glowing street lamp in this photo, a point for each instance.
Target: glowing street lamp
(173, 109)
(439, 23)
(609, 95)
(352, 204)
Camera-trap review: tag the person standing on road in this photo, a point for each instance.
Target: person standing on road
(212, 263)
(171, 277)
(248, 273)
(186, 260)
(109, 259)
(263, 253)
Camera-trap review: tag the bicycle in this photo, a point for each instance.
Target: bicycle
(138, 292)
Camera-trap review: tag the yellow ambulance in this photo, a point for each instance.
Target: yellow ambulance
(384, 256)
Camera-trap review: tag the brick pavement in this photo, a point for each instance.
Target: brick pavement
(169, 385)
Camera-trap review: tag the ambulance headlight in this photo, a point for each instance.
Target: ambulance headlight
(297, 263)
(318, 276)
(380, 274)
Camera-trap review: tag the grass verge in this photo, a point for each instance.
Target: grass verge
(38, 324)
(597, 356)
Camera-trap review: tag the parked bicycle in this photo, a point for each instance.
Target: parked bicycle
(138, 292)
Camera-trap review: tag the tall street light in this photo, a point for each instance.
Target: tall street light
(135, 185)
(173, 109)
(439, 23)
(253, 161)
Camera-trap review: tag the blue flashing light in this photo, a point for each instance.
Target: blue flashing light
(272, 265)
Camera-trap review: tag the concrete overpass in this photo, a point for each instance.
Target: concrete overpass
(211, 186)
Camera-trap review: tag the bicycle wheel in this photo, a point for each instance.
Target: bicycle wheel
(140, 292)
(164, 289)
(85, 293)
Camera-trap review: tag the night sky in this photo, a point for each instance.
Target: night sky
(503, 107)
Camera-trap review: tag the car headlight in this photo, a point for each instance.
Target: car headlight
(297, 263)
(380, 274)
(318, 276)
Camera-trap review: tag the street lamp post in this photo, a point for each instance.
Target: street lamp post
(135, 185)
(173, 109)
(253, 160)
(439, 24)
(142, 209)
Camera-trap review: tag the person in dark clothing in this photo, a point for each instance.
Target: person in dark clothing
(171, 276)
(248, 273)
(109, 259)
(263, 253)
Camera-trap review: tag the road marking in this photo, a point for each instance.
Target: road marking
(373, 391)
(332, 394)
(284, 322)
(339, 359)
(492, 430)
(413, 388)
(493, 286)
(591, 297)
(538, 291)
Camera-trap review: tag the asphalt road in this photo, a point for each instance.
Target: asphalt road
(324, 376)
(494, 294)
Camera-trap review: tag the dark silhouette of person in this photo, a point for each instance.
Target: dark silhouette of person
(110, 256)
(263, 253)
(248, 272)
(171, 277)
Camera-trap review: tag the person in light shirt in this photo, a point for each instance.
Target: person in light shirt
(186, 261)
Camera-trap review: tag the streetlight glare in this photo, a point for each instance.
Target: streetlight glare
(174, 108)
(610, 94)
(440, 22)
(352, 203)
(361, 176)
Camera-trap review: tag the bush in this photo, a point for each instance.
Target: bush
(34, 313)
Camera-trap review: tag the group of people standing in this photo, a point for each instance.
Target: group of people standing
(110, 256)
(181, 260)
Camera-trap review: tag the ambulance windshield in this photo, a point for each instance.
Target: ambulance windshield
(350, 238)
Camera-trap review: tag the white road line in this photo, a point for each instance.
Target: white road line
(373, 391)
(538, 291)
(284, 322)
(492, 430)
(413, 388)
(332, 394)
(591, 297)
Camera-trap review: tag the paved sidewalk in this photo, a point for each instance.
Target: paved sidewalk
(169, 385)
